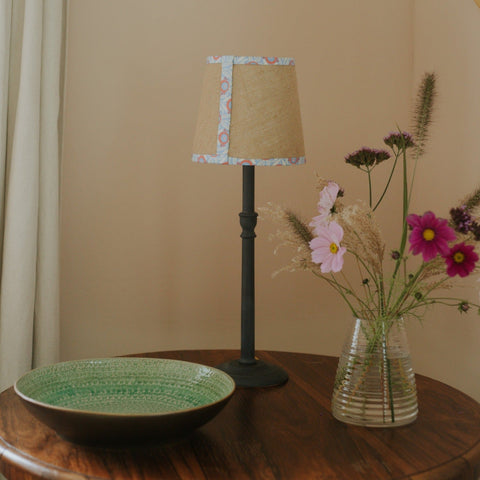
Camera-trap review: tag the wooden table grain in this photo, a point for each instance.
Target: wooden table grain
(284, 432)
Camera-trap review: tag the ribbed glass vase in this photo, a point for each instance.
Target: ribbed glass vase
(375, 381)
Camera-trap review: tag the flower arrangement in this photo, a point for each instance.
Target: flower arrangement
(447, 246)
(375, 384)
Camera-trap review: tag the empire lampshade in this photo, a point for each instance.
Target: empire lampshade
(249, 113)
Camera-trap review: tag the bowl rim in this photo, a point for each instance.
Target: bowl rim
(94, 413)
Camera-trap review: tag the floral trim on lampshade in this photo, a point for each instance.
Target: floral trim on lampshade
(222, 156)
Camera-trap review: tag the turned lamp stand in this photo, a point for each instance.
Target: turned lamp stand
(248, 371)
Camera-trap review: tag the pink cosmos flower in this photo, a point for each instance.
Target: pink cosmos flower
(328, 196)
(430, 235)
(326, 249)
(461, 260)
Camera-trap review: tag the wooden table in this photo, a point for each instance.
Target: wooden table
(283, 432)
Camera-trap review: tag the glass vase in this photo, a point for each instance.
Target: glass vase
(375, 381)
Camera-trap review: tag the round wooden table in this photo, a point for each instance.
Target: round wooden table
(284, 432)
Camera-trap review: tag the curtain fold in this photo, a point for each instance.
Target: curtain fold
(31, 36)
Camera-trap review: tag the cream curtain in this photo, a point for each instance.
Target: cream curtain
(31, 46)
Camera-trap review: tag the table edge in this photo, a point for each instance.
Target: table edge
(18, 460)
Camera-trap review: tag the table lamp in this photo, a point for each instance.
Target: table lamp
(249, 115)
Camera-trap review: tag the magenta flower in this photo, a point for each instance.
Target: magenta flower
(430, 235)
(328, 196)
(461, 260)
(326, 249)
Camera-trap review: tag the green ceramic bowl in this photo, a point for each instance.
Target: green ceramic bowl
(124, 400)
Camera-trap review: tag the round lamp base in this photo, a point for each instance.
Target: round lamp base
(255, 374)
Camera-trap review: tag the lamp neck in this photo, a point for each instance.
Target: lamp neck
(248, 221)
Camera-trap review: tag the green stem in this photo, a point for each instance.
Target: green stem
(405, 202)
(371, 274)
(431, 301)
(383, 306)
(369, 187)
(338, 287)
(417, 156)
(452, 299)
(388, 182)
(389, 370)
(366, 287)
(390, 390)
(360, 259)
(435, 286)
(404, 223)
(409, 287)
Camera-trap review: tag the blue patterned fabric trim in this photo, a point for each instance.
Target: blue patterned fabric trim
(261, 162)
(223, 133)
(253, 60)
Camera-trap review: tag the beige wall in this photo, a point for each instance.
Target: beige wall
(150, 241)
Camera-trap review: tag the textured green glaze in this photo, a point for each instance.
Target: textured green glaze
(130, 386)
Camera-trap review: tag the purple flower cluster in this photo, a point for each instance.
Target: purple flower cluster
(400, 140)
(367, 157)
(463, 221)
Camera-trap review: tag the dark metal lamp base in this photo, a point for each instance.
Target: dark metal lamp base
(256, 374)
